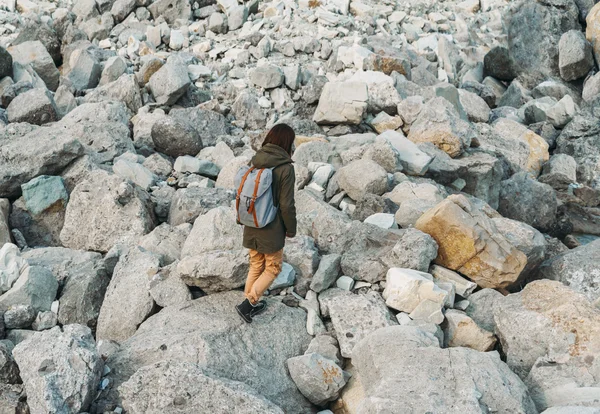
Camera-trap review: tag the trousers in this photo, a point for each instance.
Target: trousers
(264, 268)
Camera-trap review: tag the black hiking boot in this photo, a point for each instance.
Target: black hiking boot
(245, 310)
(258, 308)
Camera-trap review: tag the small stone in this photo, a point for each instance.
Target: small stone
(286, 277)
(383, 220)
(44, 193)
(36, 106)
(345, 283)
(188, 164)
(19, 317)
(428, 311)
(45, 321)
(176, 40)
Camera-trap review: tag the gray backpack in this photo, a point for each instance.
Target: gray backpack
(254, 201)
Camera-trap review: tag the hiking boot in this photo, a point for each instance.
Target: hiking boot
(245, 310)
(258, 308)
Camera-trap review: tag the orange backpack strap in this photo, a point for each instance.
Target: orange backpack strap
(251, 208)
(239, 192)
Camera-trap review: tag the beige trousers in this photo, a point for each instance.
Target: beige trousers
(264, 268)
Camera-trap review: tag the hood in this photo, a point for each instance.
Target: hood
(271, 156)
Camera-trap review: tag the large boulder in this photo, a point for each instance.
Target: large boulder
(461, 330)
(190, 203)
(302, 254)
(383, 96)
(529, 201)
(469, 243)
(210, 125)
(50, 150)
(362, 177)
(550, 335)
(342, 103)
(35, 106)
(169, 83)
(318, 378)
(197, 332)
(124, 89)
(175, 137)
(578, 268)
(35, 287)
(183, 387)
(440, 124)
(61, 369)
(534, 33)
(468, 381)
(214, 230)
(105, 210)
(166, 241)
(355, 317)
(5, 236)
(128, 301)
(575, 57)
(216, 270)
(35, 53)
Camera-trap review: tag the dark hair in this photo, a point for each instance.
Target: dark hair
(281, 135)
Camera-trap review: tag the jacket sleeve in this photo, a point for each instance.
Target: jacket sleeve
(287, 203)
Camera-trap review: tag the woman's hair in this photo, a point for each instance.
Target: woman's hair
(281, 135)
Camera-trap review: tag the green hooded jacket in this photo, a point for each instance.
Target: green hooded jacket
(271, 238)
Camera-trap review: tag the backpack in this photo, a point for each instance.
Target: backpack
(254, 200)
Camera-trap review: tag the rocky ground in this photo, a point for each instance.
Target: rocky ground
(448, 196)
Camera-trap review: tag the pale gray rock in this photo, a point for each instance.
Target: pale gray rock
(34, 53)
(559, 171)
(327, 272)
(85, 70)
(362, 177)
(36, 287)
(167, 288)
(114, 67)
(36, 106)
(169, 83)
(189, 203)
(302, 254)
(175, 138)
(124, 89)
(267, 77)
(481, 308)
(105, 210)
(461, 331)
(19, 317)
(171, 10)
(214, 230)
(413, 160)
(210, 125)
(575, 58)
(127, 302)
(414, 250)
(157, 388)
(44, 321)
(471, 379)
(342, 103)
(355, 317)
(136, 173)
(12, 266)
(166, 241)
(319, 379)
(202, 327)
(326, 346)
(406, 289)
(9, 371)
(476, 108)
(216, 270)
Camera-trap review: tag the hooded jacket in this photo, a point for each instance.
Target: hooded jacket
(271, 238)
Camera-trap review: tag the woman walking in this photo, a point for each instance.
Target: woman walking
(266, 243)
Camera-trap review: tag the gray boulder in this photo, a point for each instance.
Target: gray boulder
(36, 107)
(318, 378)
(60, 368)
(34, 53)
(481, 308)
(327, 272)
(175, 138)
(6, 65)
(342, 103)
(203, 326)
(19, 317)
(497, 63)
(171, 10)
(85, 70)
(216, 270)
(127, 302)
(575, 58)
(559, 172)
(267, 77)
(9, 370)
(166, 241)
(246, 109)
(209, 125)
(35, 287)
(302, 254)
(362, 177)
(158, 388)
(326, 346)
(383, 358)
(189, 203)
(534, 34)
(355, 317)
(578, 268)
(529, 201)
(123, 89)
(169, 83)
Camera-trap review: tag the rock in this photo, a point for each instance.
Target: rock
(515, 96)
(383, 357)
(9, 371)
(45, 321)
(319, 379)
(362, 177)
(562, 112)
(481, 308)
(383, 96)
(301, 253)
(214, 230)
(406, 289)
(577, 268)
(127, 302)
(60, 369)
(494, 263)
(6, 67)
(592, 31)
(383, 220)
(175, 138)
(136, 173)
(143, 394)
(36, 287)
(440, 124)
(384, 122)
(188, 164)
(267, 77)
(169, 83)
(36, 106)
(559, 172)
(19, 317)
(476, 108)
(534, 34)
(209, 125)
(413, 200)
(124, 89)
(5, 237)
(571, 410)
(237, 16)
(85, 70)
(342, 103)
(575, 57)
(461, 330)
(497, 63)
(313, 89)
(113, 69)
(355, 317)
(326, 346)
(176, 40)
(189, 203)
(217, 23)
(247, 108)
(414, 250)
(462, 286)
(34, 53)
(12, 266)
(327, 272)
(345, 283)
(166, 241)
(537, 202)
(285, 278)
(43, 193)
(171, 10)
(104, 211)
(215, 270)
(209, 322)
(167, 288)
(564, 324)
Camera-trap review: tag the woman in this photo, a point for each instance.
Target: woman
(266, 244)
